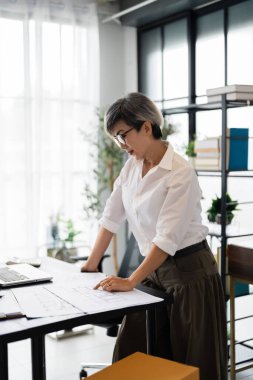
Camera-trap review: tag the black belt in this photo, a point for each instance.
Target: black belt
(191, 249)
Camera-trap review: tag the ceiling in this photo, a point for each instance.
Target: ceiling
(157, 10)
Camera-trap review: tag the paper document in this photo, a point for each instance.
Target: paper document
(37, 301)
(93, 301)
(77, 298)
(82, 279)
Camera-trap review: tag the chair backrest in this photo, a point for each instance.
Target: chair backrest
(131, 260)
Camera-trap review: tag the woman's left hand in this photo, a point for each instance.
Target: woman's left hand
(113, 283)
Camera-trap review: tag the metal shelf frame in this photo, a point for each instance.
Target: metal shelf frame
(224, 174)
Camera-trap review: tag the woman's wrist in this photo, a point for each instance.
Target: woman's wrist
(86, 267)
(133, 281)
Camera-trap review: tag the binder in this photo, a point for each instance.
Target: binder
(238, 148)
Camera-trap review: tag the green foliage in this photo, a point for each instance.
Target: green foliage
(67, 230)
(190, 149)
(168, 129)
(110, 160)
(215, 208)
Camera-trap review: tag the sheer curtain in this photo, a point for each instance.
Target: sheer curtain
(48, 94)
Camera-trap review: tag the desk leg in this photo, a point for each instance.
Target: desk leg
(150, 330)
(4, 361)
(38, 358)
(232, 329)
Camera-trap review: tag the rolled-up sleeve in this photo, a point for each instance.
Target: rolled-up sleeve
(114, 212)
(177, 210)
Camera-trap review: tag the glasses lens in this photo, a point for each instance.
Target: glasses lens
(118, 140)
(121, 139)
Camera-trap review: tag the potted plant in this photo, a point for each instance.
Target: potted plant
(214, 212)
(190, 152)
(67, 232)
(109, 160)
(63, 233)
(168, 128)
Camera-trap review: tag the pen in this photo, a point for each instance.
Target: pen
(11, 315)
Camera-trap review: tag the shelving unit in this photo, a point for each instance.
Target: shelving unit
(223, 173)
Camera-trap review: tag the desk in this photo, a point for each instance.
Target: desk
(36, 329)
(240, 267)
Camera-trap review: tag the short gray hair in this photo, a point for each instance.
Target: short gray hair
(134, 109)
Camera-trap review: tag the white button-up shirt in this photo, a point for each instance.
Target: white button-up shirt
(162, 208)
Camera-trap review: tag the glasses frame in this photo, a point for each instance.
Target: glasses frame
(120, 137)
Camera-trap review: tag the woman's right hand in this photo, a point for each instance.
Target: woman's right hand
(88, 268)
(101, 244)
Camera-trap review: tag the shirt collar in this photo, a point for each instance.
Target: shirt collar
(166, 161)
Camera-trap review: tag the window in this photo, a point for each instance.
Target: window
(240, 62)
(210, 71)
(240, 39)
(47, 96)
(175, 60)
(216, 63)
(163, 72)
(151, 70)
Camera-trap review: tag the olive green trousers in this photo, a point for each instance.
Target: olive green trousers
(193, 329)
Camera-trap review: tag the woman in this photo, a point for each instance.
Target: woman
(158, 193)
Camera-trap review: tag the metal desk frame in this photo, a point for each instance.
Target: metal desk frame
(36, 329)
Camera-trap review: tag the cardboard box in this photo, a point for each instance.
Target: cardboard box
(140, 366)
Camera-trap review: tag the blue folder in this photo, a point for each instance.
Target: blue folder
(238, 148)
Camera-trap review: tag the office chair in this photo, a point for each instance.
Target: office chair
(131, 260)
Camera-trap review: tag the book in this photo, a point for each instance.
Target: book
(238, 148)
(207, 164)
(207, 161)
(207, 168)
(233, 88)
(207, 145)
(231, 96)
(206, 154)
(209, 151)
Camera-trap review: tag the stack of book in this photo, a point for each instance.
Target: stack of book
(208, 151)
(234, 92)
(208, 154)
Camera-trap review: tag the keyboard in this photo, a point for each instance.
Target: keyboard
(9, 275)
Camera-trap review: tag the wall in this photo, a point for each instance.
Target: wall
(118, 61)
(118, 76)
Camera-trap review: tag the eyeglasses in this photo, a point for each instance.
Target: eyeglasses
(120, 138)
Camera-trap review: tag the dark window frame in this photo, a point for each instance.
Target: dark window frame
(191, 18)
